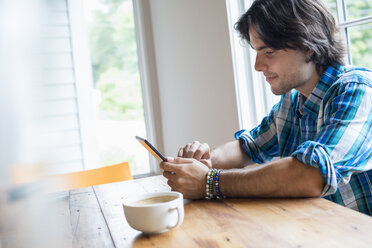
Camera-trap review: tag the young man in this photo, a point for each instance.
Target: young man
(321, 129)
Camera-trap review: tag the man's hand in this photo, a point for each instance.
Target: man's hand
(198, 151)
(186, 175)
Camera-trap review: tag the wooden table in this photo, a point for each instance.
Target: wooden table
(94, 218)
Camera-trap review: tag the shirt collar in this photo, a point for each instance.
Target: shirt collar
(312, 103)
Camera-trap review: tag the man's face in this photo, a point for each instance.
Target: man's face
(284, 69)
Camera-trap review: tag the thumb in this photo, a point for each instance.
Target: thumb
(179, 160)
(170, 159)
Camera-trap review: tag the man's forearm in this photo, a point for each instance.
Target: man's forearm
(230, 155)
(286, 177)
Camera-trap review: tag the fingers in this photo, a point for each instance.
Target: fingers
(171, 167)
(169, 175)
(202, 152)
(188, 150)
(180, 160)
(180, 152)
(173, 186)
(175, 165)
(195, 150)
(191, 149)
(207, 155)
(173, 180)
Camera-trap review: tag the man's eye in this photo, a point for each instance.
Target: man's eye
(269, 52)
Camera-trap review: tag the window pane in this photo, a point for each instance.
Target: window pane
(358, 8)
(117, 83)
(361, 45)
(331, 4)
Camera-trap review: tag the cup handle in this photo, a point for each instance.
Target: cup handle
(179, 220)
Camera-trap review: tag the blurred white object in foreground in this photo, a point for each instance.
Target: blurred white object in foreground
(25, 210)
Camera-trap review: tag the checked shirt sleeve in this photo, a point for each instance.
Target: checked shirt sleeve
(261, 143)
(343, 144)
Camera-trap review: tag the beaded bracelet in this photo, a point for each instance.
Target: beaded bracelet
(217, 179)
(213, 174)
(209, 184)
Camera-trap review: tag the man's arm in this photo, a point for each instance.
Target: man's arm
(230, 155)
(286, 177)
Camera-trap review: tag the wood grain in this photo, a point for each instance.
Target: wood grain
(88, 225)
(97, 220)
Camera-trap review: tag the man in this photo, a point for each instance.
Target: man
(321, 129)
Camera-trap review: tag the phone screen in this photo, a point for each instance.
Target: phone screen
(151, 149)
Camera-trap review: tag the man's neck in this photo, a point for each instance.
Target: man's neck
(311, 83)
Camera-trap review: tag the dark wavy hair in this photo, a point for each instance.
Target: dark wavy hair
(295, 24)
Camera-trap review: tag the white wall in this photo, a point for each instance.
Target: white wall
(194, 72)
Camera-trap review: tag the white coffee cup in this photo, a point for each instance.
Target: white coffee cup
(154, 212)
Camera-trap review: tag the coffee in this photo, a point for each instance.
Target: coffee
(156, 199)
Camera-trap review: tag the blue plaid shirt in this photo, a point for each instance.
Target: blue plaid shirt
(330, 130)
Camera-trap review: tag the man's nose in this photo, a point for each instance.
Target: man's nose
(260, 64)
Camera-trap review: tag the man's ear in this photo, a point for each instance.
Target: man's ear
(309, 55)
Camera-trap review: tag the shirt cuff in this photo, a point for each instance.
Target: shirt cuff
(315, 155)
(250, 147)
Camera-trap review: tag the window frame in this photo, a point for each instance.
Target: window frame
(83, 82)
(344, 24)
(149, 82)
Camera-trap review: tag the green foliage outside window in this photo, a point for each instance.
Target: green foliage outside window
(114, 61)
(358, 8)
(360, 37)
(361, 45)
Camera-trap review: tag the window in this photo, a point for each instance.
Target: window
(354, 18)
(117, 87)
(254, 96)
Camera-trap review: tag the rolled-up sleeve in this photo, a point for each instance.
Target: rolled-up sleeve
(261, 143)
(343, 144)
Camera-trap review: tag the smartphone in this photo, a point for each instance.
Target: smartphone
(151, 149)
